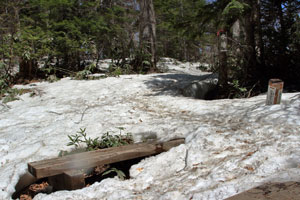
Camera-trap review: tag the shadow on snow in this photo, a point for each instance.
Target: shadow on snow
(173, 84)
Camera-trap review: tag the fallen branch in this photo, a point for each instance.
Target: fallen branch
(82, 114)
(185, 160)
(55, 112)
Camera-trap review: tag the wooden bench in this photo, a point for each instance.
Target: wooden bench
(68, 172)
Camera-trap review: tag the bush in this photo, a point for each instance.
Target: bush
(141, 62)
(10, 94)
(4, 78)
(83, 75)
(107, 140)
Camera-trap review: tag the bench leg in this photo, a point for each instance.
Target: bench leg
(69, 180)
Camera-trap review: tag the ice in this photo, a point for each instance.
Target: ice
(231, 145)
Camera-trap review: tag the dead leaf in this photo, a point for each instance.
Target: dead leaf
(25, 197)
(250, 153)
(140, 169)
(38, 187)
(249, 168)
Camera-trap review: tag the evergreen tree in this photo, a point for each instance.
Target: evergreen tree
(261, 36)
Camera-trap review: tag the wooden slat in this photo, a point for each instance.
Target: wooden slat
(55, 166)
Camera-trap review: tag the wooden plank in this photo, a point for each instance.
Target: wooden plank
(55, 166)
(25, 180)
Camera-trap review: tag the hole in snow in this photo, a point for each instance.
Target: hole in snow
(28, 186)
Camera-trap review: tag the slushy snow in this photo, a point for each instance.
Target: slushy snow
(231, 145)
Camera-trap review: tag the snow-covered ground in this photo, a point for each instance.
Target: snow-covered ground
(231, 145)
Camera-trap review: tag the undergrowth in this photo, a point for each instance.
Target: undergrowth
(82, 143)
(84, 74)
(107, 140)
(11, 94)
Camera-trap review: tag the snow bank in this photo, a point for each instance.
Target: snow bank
(231, 145)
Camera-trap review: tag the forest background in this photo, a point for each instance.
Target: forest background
(246, 42)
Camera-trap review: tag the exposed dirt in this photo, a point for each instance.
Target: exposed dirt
(274, 191)
(34, 189)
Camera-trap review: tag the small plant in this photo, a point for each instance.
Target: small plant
(48, 70)
(141, 62)
(119, 173)
(3, 83)
(10, 94)
(77, 139)
(52, 78)
(115, 70)
(84, 74)
(107, 140)
(81, 75)
(237, 91)
(4, 80)
(9, 98)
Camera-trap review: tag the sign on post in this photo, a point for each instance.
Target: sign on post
(274, 91)
(222, 40)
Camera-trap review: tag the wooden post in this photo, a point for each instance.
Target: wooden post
(274, 91)
(69, 180)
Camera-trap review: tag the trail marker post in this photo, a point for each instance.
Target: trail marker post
(274, 91)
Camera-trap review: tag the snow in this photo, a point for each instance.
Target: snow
(231, 145)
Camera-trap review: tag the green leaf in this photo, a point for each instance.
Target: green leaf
(119, 173)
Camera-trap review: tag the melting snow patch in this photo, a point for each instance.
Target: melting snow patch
(231, 145)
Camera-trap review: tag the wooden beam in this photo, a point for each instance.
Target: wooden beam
(69, 180)
(56, 166)
(25, 180)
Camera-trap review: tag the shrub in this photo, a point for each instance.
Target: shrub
(107, 140)
(81, 75)
(4, 78)
(10, 94)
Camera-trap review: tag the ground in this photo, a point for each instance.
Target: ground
(231, 145)
(274, 191)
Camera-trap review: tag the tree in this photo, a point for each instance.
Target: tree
(279, 27)
(147, 32)
(261, 35)
(9, 33)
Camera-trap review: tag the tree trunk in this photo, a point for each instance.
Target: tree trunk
(183, 38)
(283, 35)
(259, 46)
(28, 68)
(148, 30)
(223, 68)
(250, 54)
